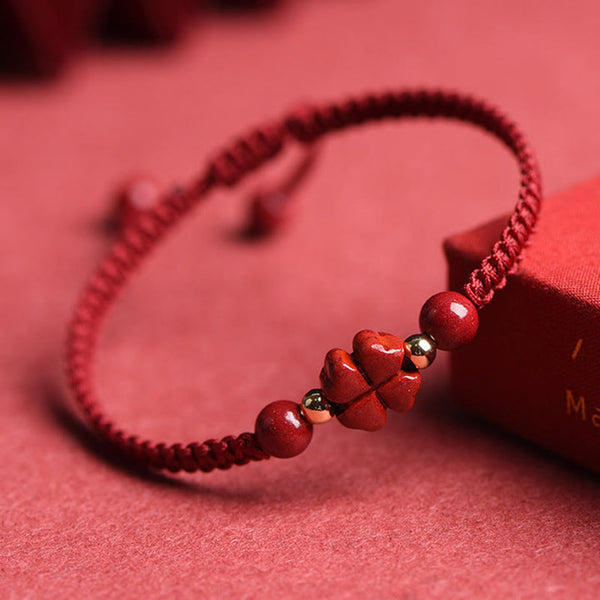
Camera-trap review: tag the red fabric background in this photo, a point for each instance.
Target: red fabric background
(435, 505)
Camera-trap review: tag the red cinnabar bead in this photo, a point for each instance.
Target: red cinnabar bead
(281, 430)
(450, 318)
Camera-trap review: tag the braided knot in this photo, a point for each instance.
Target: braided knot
(246, 154)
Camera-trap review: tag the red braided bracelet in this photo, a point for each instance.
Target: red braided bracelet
(382, 371)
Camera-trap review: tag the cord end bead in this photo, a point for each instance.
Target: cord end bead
(268, 212)
(135, 197)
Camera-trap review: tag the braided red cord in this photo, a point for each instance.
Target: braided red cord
(228, 168)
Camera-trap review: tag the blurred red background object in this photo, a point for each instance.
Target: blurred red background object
(244, 4)
(158, 21)
(38, 37)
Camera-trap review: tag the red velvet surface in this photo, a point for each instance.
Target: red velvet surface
(436, 504)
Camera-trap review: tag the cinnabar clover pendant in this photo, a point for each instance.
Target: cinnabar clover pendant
(376, 376)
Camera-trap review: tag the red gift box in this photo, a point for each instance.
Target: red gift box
(534, 366)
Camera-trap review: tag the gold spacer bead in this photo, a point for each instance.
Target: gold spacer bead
(421, 350)
(315, 408)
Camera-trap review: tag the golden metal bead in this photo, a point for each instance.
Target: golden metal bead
(315, 408)
(421, 350)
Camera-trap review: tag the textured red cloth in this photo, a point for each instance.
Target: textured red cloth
(533, 366)
(435, 504)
